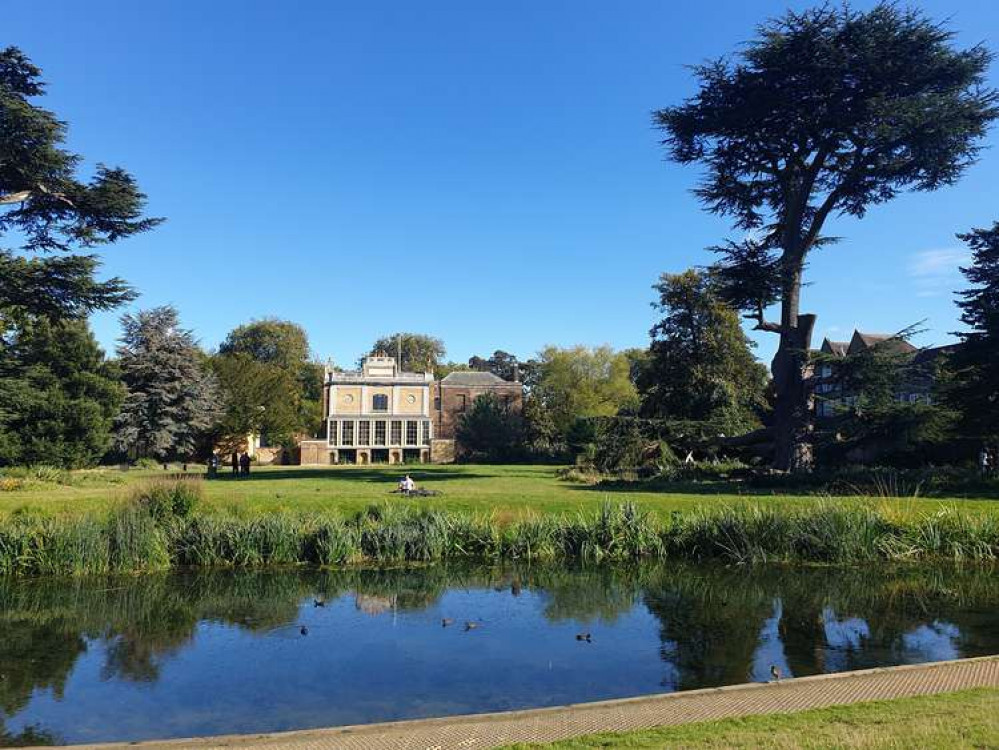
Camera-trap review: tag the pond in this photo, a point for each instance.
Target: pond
(85, 660)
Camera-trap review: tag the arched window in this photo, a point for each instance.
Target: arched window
(379, 402)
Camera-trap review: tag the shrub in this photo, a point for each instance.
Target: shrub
(169, 499)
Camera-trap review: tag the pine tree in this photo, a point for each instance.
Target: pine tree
(974, 390)
(59, 396)
(172, 399)
(46, 208)
(829, 111)
(700, 365)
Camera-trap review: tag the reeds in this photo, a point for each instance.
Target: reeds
(160, 528)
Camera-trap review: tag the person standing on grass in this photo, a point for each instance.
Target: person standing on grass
(235, 463)
(244, 465)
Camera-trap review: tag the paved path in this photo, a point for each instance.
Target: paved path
(550, 724)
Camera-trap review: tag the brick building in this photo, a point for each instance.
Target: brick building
(918, 376)
(381, 414)
(455, 394)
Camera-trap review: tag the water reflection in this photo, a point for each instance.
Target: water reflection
(201, 653)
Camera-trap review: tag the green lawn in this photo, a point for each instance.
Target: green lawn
(506, 491)
(968, 719)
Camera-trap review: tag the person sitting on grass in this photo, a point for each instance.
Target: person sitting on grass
(407, 485)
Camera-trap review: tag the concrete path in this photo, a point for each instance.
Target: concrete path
(550, 724)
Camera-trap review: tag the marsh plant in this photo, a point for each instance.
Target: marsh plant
(161, 527)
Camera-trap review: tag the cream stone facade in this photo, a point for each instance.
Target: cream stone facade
(375, 415)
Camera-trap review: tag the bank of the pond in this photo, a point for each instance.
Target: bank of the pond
(165, 531)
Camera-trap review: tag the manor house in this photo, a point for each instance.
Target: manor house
(381, 414)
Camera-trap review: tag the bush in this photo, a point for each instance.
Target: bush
(165, 500)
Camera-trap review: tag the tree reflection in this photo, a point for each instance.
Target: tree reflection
(716, 625)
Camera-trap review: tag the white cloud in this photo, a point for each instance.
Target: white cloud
(937, 272)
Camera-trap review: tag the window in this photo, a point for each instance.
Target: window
(333, 426)
(411, 428)
(379, 402)
(462, 401)
(426, 432)
(380, 432)
(347, 433)
(437, 403)
(364, 432)
(396, 436)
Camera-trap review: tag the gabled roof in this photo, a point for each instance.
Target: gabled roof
(473, 378)
(837, 348)
(861, 341)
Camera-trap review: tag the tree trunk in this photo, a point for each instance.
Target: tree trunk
(790, 368)
(793, 412)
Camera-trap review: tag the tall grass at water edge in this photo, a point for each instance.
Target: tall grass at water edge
(160, 527)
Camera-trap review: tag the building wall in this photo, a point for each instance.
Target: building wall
(346, 399)
(452, 402)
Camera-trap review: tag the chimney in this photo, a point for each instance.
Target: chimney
(516, 372)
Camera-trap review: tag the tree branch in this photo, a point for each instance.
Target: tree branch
(761, 323)
(19, 197)
(22, 195)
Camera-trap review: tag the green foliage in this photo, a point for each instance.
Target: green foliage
(491, 431)
(420, 353)
(974, 386)
(700, 365)
(165, 500)
(626, 443)
(501, 363)
(581, 382)
(828, 111)
(58, 395)
(47, 208)
(253, 362)
(541, 435)
(874, 426)
(260, 399)
(172, 399)
(134, 539)
(443, 369)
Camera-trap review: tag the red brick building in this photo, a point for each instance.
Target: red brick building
(454, 395)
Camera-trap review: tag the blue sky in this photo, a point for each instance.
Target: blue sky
(482, 171)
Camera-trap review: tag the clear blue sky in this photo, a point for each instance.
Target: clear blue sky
(482, 171)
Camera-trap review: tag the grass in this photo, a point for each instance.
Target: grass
(109, 520)
(504, 492)
(967, 719)
(163, 525)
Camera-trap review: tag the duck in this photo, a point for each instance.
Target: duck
(318, 603)
(469, 625)
(445, 621)
(584, 637)
(775, 671)
(304, 630)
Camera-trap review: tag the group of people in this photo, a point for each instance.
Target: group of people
(988, 461)
(240, 464)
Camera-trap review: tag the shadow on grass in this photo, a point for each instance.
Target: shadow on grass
(385, 475)
(675, 488)
(749, 491)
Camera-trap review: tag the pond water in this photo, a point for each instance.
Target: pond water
(223, 652)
